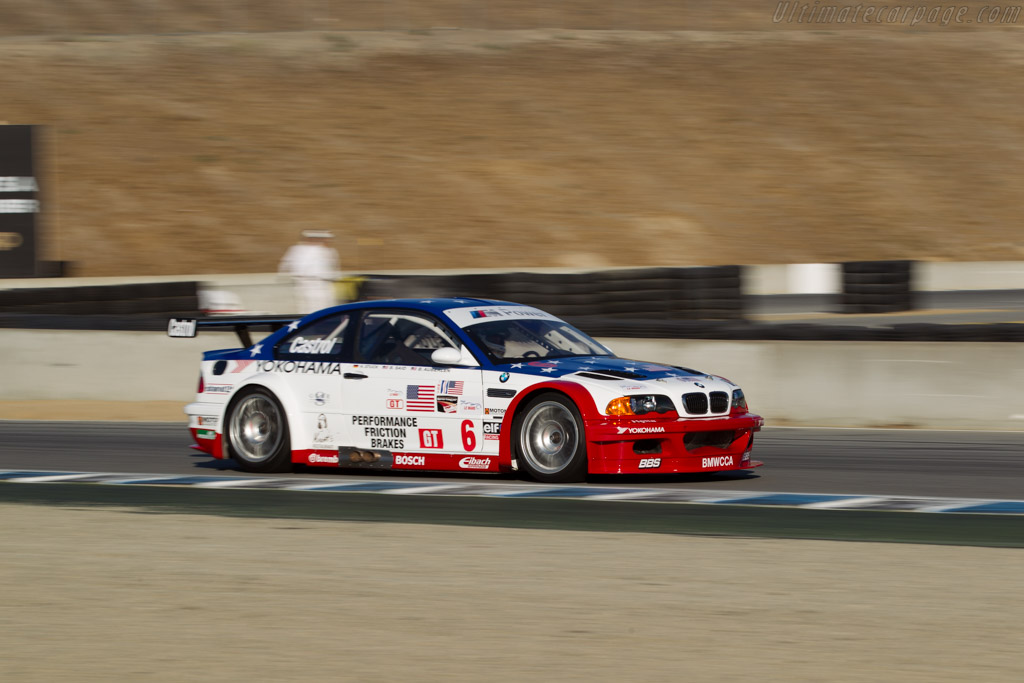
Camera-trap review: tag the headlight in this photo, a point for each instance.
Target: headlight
(739, 401)
(639, 405)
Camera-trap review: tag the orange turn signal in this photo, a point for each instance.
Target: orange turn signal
(620, 406)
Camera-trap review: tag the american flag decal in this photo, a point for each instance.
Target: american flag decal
(451, 388)
(419, 397)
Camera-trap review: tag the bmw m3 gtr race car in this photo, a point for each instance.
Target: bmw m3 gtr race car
(457, 385)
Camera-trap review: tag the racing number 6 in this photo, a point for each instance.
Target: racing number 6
(468, 436)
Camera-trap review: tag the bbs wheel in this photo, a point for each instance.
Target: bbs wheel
(258, 432)
(549, 439)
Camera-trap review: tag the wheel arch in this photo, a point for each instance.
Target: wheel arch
(278, 388)
(576, 393)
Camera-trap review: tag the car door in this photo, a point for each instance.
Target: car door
(313, 359)
(411, 410)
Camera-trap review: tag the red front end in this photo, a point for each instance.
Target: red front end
(639, 446)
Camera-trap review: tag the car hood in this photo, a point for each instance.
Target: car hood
(621, 374)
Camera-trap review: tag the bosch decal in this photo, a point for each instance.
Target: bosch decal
(411, 460)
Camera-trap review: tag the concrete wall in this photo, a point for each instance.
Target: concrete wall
(943, 385)
(859, 384)
(940, 277)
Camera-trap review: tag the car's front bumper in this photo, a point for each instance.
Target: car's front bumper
(671, 446)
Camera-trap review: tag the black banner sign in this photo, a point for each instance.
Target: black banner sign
(19, 202)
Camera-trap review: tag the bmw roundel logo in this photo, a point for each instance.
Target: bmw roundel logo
(699, 385)
(503, 377)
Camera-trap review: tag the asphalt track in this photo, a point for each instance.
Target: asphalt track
(953, 464)
(897, 462)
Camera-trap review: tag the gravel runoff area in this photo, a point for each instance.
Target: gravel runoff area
(99, 595)
(124, 411)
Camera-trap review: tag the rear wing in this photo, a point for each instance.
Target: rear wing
(189, 327)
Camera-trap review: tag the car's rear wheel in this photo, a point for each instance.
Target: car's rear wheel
(549, 439)
(258, 432)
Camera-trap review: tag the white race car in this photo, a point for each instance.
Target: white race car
(457, 385)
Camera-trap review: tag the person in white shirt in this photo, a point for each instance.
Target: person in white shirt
(312, 264)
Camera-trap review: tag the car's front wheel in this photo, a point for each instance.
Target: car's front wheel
(258, 432)
(549, 439)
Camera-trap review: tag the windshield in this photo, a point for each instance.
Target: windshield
(507, 341)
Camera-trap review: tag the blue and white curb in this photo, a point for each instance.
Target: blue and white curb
(806, 501)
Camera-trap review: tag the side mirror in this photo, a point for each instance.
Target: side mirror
(447, 356)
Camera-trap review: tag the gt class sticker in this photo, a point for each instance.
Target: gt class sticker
(431, 438)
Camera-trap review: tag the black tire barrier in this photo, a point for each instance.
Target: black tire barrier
(670, 293)
(877, 287)
(901, 266)
(862, 279)
(159, 297)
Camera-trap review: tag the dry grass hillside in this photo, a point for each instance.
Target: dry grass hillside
(507, 144)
